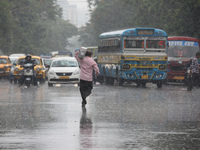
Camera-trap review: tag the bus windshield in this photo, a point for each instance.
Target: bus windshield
(151, 42)
(182, 51)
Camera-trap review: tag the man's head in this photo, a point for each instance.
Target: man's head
(198, 54)
(88, 53)
(28, 57)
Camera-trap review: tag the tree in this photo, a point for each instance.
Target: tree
(181, 18)
(32, 21)
(5, 25)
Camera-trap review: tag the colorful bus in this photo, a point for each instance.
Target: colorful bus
(180, 51)
(133, 55)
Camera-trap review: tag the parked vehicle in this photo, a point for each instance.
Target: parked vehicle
(64, 70)
(39, 68)
(5, 66)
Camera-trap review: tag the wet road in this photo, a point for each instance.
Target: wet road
(115, 118)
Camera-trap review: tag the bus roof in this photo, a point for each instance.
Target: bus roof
(182, 38)
(132, 32)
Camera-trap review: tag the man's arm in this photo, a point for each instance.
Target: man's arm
(96, 69)
(76, 56)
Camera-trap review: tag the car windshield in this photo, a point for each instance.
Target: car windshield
(3, 61)
(47, 61)
(64, 63)
(21, 61)
(13, 60)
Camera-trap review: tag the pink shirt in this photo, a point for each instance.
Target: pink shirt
(87, 64)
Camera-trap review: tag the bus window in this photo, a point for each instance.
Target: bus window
(139, 44)
(155, 44)
(133, 43)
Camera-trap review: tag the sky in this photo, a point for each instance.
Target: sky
(79, 3)
(82, 6)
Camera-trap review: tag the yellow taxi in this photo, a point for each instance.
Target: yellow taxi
(5, 66)
(39, 68)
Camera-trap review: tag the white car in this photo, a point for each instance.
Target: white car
(64, 70)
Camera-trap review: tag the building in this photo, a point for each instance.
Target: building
(77, 13)
(72, 14)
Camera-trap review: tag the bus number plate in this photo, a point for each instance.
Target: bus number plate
(144, 76)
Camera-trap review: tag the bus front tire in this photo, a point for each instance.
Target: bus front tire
(144, 84)
(159, 84)
(100, 79)
(120, 82)
(111, 81)
(138, 84)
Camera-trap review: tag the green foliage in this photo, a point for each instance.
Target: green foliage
(181, 18)
(33, 26)
(5, 24)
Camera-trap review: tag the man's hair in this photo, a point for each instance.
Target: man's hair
(198, 54)
(28, 55)
(88, 53)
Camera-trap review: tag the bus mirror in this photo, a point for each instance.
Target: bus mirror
(167, 44)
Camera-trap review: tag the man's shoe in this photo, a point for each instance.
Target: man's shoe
(84, 102)
(20, 85)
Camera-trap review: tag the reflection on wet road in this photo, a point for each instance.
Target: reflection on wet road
(127, 117)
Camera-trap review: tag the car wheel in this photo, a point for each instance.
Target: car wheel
(11, 80)
(15, 81)
(50, 84)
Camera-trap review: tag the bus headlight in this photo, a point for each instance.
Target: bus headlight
(158, 76)
(162, 67)
(131, 75)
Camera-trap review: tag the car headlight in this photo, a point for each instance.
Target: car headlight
(37, 69)
(16, 69)
(51, 72)
(76, 72)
